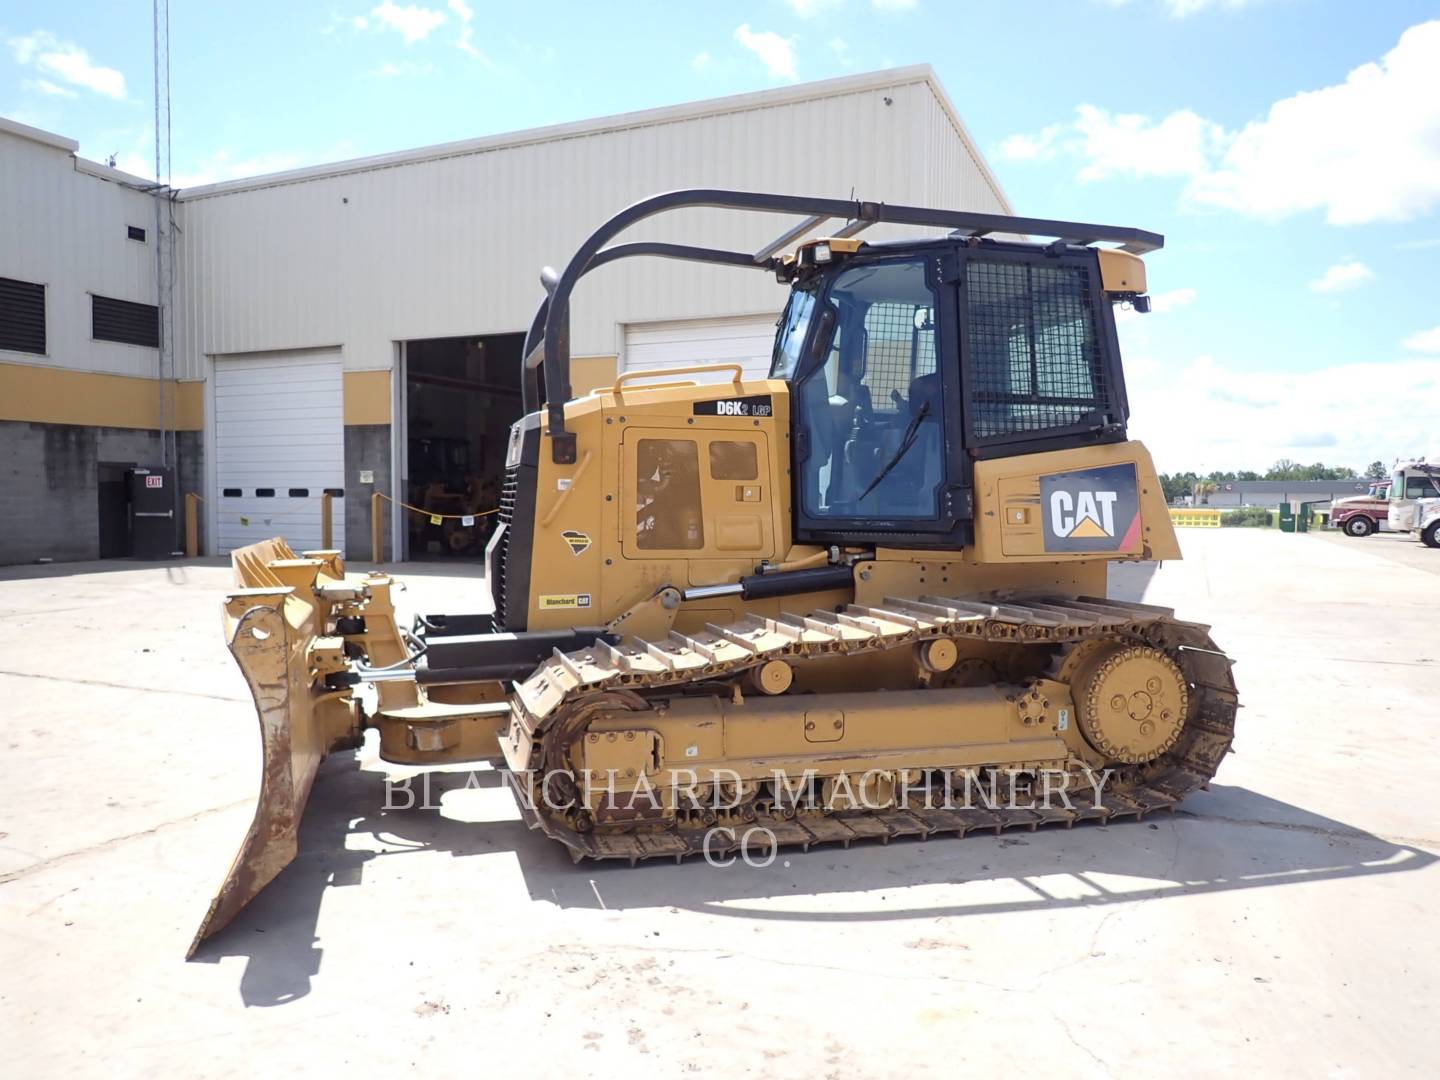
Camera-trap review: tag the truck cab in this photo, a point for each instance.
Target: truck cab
(1411, 483)
(1361, 515)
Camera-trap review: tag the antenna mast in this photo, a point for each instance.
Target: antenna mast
(164, 238)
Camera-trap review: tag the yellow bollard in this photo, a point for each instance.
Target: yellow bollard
(192, 525)
(326, 513)
(377, 533)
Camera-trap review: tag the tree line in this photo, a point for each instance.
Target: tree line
(1191, 483)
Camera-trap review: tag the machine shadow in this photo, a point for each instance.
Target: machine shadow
(1225, 839)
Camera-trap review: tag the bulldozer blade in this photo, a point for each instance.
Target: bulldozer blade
(275, 632)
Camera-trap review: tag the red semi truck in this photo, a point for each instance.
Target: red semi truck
(1361, 515)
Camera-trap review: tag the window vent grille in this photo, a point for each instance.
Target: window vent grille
(22, 316)
(124, 321)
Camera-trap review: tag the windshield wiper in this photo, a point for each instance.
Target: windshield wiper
(906, 442)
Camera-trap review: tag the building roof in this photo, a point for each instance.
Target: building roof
(1281, 487)
(808, 91)
(45, 138)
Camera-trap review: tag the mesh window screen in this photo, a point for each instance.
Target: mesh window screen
(897, 351)
(1035, 357)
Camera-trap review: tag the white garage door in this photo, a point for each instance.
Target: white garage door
(279, 444)
(747, 340)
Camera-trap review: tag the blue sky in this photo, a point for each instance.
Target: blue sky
(1288, 149)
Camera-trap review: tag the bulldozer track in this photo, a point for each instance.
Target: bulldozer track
(555, 705)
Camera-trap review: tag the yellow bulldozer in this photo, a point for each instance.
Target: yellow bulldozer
(862, 598)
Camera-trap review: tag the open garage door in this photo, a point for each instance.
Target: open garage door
(279, 446)
(747, 340)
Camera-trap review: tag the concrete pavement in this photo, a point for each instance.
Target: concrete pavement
(1282, 921)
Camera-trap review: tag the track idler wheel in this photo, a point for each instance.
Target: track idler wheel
(1131, 702)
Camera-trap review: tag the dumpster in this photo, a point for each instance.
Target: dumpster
(1307, 516)
(1287, 517)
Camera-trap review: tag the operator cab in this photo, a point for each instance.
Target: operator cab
(909, 361)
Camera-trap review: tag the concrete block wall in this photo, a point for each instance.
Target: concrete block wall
(49, 494)
(367, 447)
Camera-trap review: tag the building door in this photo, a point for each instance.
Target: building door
(279, 446)
(747, 340)
(461, 396)
(114, 497)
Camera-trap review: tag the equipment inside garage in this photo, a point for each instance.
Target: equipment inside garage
(461, 396)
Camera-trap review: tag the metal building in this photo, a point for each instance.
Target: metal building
(357, 326)
(80, 401)
(1273, 492)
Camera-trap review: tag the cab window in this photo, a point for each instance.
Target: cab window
(871, 409)
(793, 325)
(667, 495)
(1420, 487)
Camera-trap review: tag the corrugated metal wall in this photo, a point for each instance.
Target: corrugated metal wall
(65, 229)
(454, 245)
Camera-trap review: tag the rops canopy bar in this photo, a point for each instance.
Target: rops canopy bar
(552, 321)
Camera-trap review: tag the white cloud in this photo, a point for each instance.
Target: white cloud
(1123, 144)
(1365, 150)
(1038, 147)
(1424, 341)
(1205, 413)
(1128, 144)
(1169, 301)
(1183, 9)
(893, 5)
(1362, 151)
(136, 165)
(775, 52)
(841, 49)
(702, 61)
(45, 86)
(67, 62)
(1208, 415)
(463, 10)
(809, 8)
(1346, 274)
(413, 22)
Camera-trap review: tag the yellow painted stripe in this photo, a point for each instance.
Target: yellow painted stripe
(48, 395)
(367, 397)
